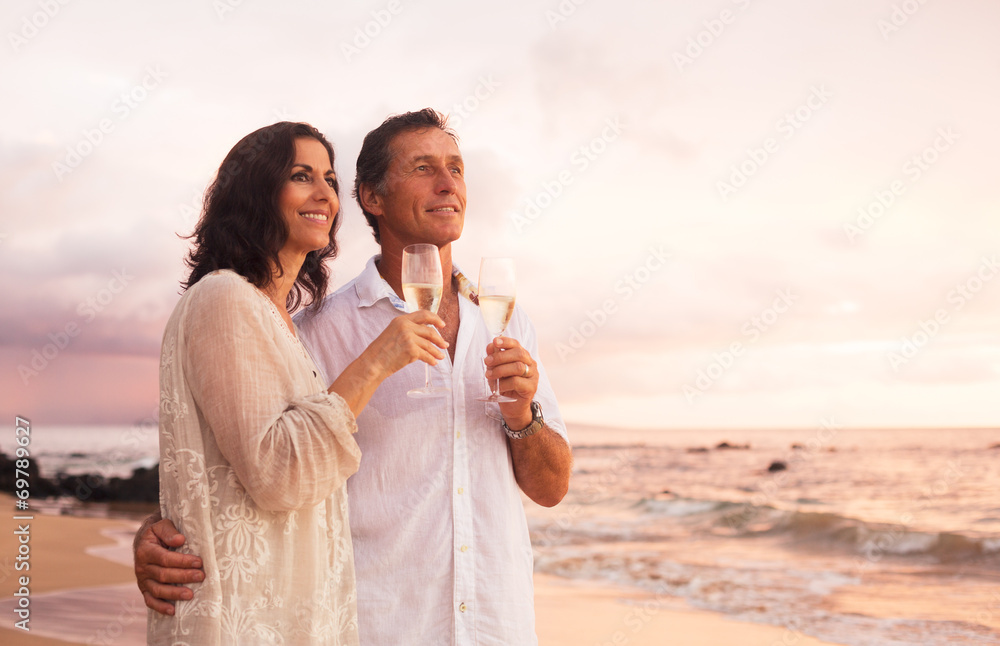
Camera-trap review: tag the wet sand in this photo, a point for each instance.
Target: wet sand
(68, 554)
(572, 613)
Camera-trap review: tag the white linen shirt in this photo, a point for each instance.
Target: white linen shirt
(441, 545)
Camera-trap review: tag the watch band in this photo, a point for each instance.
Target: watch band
(537, 422)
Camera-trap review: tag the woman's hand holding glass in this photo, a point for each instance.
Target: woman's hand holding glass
(407, 339)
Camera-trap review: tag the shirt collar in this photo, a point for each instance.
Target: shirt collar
(371, 287)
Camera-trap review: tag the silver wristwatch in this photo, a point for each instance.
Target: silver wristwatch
(536, 424)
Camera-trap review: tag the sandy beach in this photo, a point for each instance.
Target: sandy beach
(82, 591)
(67, 554)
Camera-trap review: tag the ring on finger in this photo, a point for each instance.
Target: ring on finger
(527, 371)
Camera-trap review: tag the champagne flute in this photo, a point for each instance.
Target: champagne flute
(422, 288)
(496, 303)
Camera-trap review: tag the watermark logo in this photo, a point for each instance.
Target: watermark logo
(929, 328)
(769, 487)
(724, 360)
(757, 157)
(875, 548)
(486, 87)
(191, 211)
(598, 487)
(563, 12)
(580, 161)
(899, 16)
(87, 310)
(625, 288)
(225, 7)
(32, 25)
(365, 34)
(713, 28)
(914, 168)
(122, 107)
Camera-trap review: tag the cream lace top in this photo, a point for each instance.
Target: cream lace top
(254, 457)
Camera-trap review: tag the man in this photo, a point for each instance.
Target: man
(442, 554)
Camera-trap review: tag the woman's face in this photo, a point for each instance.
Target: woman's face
(307, 199)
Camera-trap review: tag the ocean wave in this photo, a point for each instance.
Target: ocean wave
(812, 530)
(676, 507)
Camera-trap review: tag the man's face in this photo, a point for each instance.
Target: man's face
(425, 195)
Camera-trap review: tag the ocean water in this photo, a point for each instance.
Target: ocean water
(107, 451)
(866, 538)
(111, 451)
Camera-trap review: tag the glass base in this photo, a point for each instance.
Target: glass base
(425, 392)
(499, 399)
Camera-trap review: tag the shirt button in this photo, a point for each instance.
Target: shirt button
(461, 608)
(458, 434)
(461, 491)
(465, 548)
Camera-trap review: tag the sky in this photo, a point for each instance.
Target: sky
(733, 214)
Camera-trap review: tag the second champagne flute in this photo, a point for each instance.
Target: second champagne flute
(497, 291)
(422, 288)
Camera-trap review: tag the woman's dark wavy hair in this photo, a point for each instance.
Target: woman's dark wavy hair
(241, 226)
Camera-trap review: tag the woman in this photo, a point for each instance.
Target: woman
(255, 448)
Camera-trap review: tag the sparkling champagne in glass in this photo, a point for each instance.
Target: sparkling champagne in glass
(422, 289)
(497, 290)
